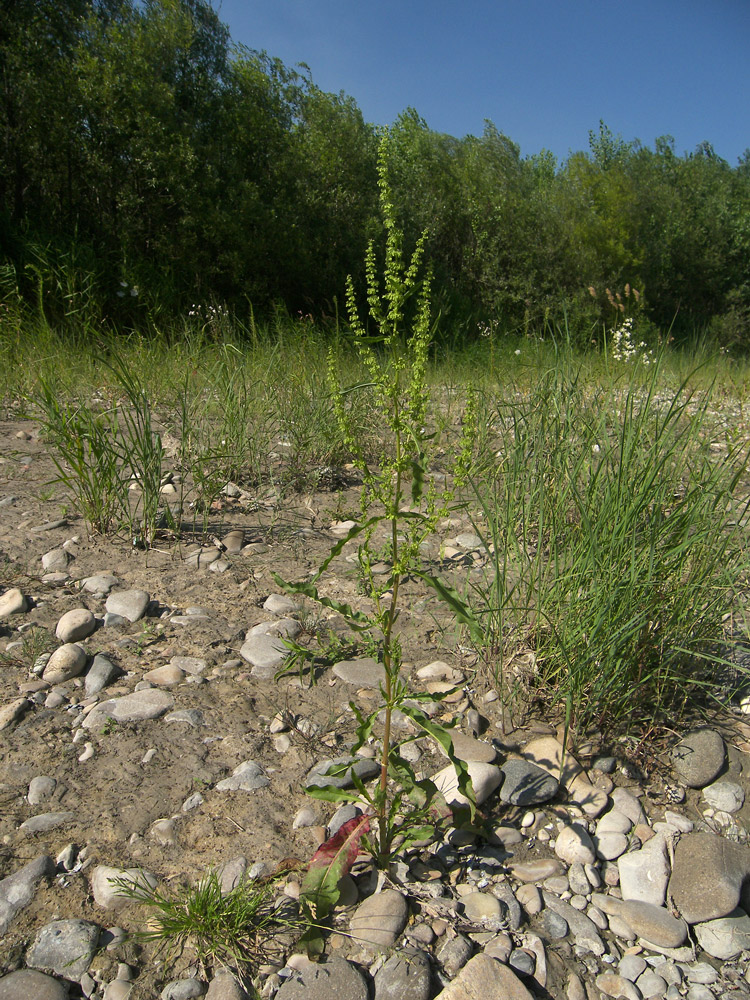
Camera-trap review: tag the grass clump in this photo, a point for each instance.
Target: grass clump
(237, 929)
(617, 544)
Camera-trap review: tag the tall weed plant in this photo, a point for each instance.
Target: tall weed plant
(395, 493)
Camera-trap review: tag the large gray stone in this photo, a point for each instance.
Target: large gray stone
(698, 758)
(405, 976)
(130, 604)
(707, 876)
(363, 673)
(483, 977)
(246, 777)
(106, 890)
(17, 890)
(363, 767)
(335, 978)
(13, 602)
(139, 706)
(45, 822)
(726, 937)
(644, 874)
(75, 625)
(379, 919)
(99, 674)
(64, 947)
(526, 784)
(266, 653)
(66, 662)
(583, 929)
(484, 780)
(28, 984)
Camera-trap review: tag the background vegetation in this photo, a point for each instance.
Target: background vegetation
(149, 169)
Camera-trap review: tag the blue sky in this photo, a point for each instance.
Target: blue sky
(544, 71)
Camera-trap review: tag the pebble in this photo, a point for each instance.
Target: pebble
(165, 676)
(56, 560)
(631, 966)
(583, 929)
(530, 898)
(13, 602)
(485, 778)
(190, 664)
(183, 989)
(100, 584)
(454, 954)
(344, 767)
(526, 784)
(726, 796)
(573, 844)
(13, 711)
(75, 625)
(483, 908)
(651, 984)
(17, 890)
(266, 653)
(40, 788)
(698, 757)
(107, 894)
(246, 777)
(67, 661)
(613, 985)
(45, 822)
(379, 919)
(280, 604)
(467, 748)
(554, 924)
(362, 673)
(129, 604)
(536, 870)
(101, 672)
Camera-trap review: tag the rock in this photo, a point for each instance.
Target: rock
(583, 929)
(189, 716)
(13, 711)
(555, 926)
(99, 674)
(130, 604)
(280, 604)
(628, 804)
(27, 984)
(614, 821)
(139, 706)
(454, 954)
(193, 665)
(573, 844)
(45, 822)
(707, 876)
(698, 758)
(362, 673)
(379, 919)
(363, 767)
(467, 748)
(725, 937)
(644, 874)
(224, 986)
(617, 986)
(631, 967)
(530, 898)
(525, 784)
(484, 909)
(651, 984)
(726, 796)
(109, 895)
(56, 560)
(101, 583)
(75, 625)
(65, 947)
(66, 662)
(246, 777)
(40, 788)
(17, 890)
(266, 653)
(13, 602)
(233, 541)
(405, 976)
(165, 676)
(653, 923)
(183, 989)
(610, 846)
(484, 779)
(334, 978)
(536, 870)
(484, 977)
(522, 961)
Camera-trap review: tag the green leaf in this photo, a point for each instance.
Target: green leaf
(451, 597)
